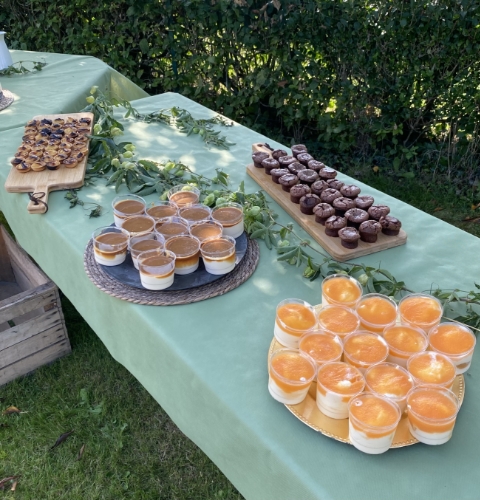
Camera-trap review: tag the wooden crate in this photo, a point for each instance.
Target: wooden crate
(32, 327)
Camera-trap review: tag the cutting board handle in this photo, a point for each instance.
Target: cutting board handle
(41, 194)
(260, 146)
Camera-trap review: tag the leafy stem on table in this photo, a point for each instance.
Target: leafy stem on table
(19, 68)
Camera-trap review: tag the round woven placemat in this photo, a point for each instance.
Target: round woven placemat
(113, 287)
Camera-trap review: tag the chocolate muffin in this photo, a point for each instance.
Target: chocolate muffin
(333, 224)
(322, 212)
(318, 186)
(329, 194)
(276, 173)
(349, 237)
(390, 225)
(287, 181)
(298, 191)
(315, 165)
(308, 202)
(327, 173)
(355, 216)
(364, 202)
(295, 167)
(307, 176)
(350, 191)
(368, 231)
(378, 211)
(285, 161)
(258, 157)
(304, 158)
(269, 164)
(335, 184)
(278, 153)
(342, 204)
(298, 148)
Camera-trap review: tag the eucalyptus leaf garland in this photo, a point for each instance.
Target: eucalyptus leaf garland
(19, 68)
(117, 163)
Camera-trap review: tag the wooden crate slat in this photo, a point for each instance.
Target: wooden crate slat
(6, 271)
(30, 363)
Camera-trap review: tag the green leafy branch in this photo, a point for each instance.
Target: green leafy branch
(18, 68)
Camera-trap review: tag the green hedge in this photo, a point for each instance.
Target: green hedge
(394, 82)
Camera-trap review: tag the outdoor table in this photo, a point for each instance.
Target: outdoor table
(206, 363)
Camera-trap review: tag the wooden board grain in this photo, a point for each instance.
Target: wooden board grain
(48, 180)
(332, 245)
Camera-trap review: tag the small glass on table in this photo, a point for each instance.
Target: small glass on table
(341, 290)
(218, 254)
(110, 245)
(183, 194)
(156, 268)
(126, 206)
(294, 317)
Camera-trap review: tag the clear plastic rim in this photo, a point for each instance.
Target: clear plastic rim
(420, 324)
(405, 354)
(443, 390)
(396, 367)
(364, 332)
(295, 301)
(451, 355)
(123, 197)
(378, 429)
(297, 353)
(326, 366)
(412, 359)
(335, 306)
(111, 229)
(382, 326)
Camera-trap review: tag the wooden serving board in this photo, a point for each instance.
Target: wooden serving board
(332, 245)
(48, 180)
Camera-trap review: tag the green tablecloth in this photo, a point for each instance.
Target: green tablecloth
(206, 363)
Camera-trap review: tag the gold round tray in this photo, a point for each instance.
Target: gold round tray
(308, 412)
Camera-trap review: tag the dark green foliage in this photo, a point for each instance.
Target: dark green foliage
(394, 84)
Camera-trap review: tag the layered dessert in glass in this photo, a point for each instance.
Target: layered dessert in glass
(403, 342)
(338, 320)
(432, 412)
(184, 194)
(420, 310)
(290, 375)
(110, 245)
(138, 225)
(294, 318)
(455, 341)
(373, 421)
(195, 212)
(162, 209)
(230, 216)
(341, 290)
(337, 384)
(187, 251)
(156, 269)
(321, 347)
(432, 368)
(126, 206)
(205, 229)
(376, 312)
(139, 245)
(171, 226)
(218, 254)
(363, 349)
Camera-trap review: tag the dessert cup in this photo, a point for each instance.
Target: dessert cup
(338, 320)
(321, 347)
(376, 312)
(420, 310)
(363, 349)
(138, 225)
(294, 318)
(218, 254)
(187, 252)
(156, 269)
(205, 229)
(171, 226)
(403, 342)
(341, 290)
(110, 245)
(195, 212)
(183, 194)
(139, 245)
(126, 206)
(162, 209)
(230, 216)
(432, 368)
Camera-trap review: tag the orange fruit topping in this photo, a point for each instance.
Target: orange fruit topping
(374, 412)
(431, 368)
(404, 339)
(389, 380)
(292, 367)
(338, 320)
(321, 348)
(377, 311)
(434, 405)
(341, 289)
(451, 339)
(295, 319)
(341, 379)
(420, 310)
(366, 348)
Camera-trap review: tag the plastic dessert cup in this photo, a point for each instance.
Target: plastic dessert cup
(420, 310)
(205, 229)
(341, 290)
(432, 368)
(171, 226)
(126, 206)
(376, 312)
(373, 420)
(456, 341)
(321, 347)
(195, 212)
(162, 209)
(363, 349)
(218, 254)
(338, 320)
(390, 381)
(230, 216)
(139, 245)
(431, 412)
(156, 269)
(294, 318)
(403, 342)
(290, 375)
(337, 384)
(187, 251)
(138, 225)
(110, 245)
(183, 194)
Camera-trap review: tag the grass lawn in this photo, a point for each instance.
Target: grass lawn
(132, 449)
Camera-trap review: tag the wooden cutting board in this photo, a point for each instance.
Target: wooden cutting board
(48, 180)
(332, 245)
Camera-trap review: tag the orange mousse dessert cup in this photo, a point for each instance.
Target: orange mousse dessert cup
(187, 252)
(127, 205)
(290, 375)
(294, 318)
(341, 290)
(390, 381)
(156, 269)
(338, 320)
(162, 209)
(455, 341)
(376, 312)
(431, 412)
(337, 384)
(432, 368)
(403, 342)
(363, 349)
(372, 424)
(321, 347)
(183, 194)
(420, 310)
